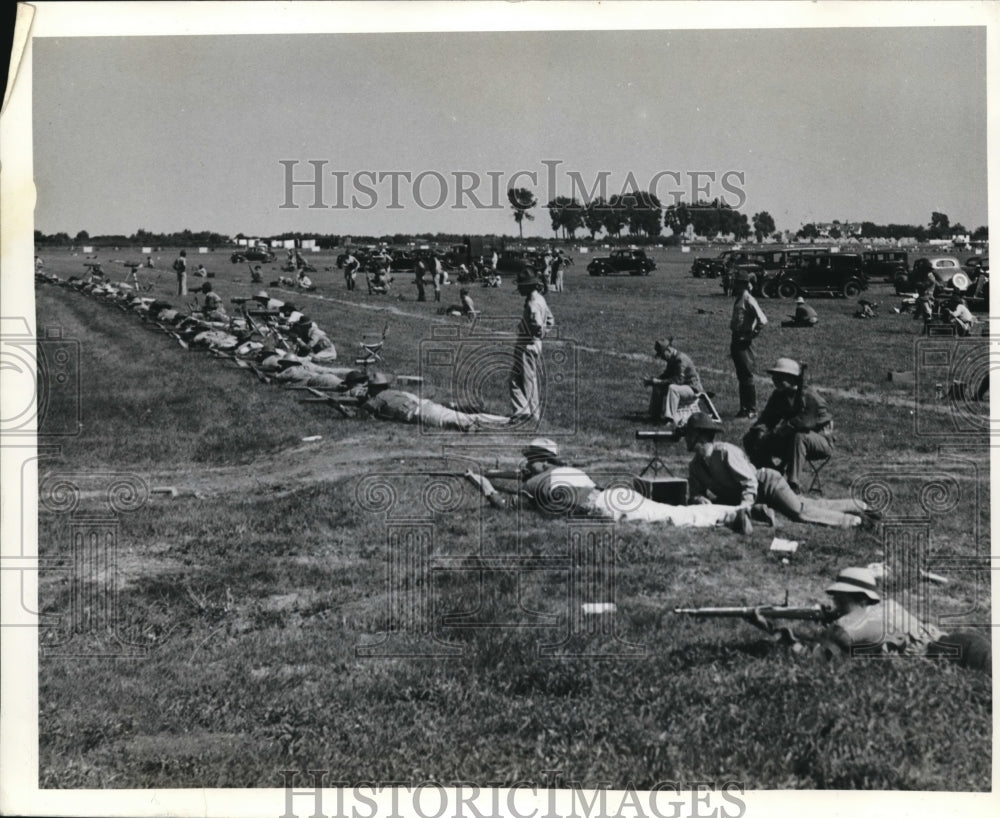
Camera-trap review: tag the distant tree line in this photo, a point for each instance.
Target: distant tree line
(185, 238)
(643, 215)
(939, 227)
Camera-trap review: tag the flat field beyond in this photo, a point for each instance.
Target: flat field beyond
(346, 604)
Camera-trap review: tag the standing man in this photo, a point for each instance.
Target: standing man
(536, 321)
(351, 265)
(438, 272)
(747, 321)
(794, 427)
(679, 384)
(180, 267)
(558, 271)
(419, 271)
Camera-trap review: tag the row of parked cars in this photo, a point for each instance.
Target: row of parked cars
(787, 273)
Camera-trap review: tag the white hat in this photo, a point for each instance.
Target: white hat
(855, 581)
(786, 366)
(542, 444)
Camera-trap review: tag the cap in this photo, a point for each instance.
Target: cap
(786, 366)
(542, 444)
(262, 294)
(855, 581)
(800, 300)
(702, 421)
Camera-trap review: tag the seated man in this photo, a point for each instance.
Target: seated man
(465, 307)
(393, 404)
(861, 621)
(550, 485)
(678, 384)
(379, 281)
(311, 340)
(805, 315)
(961, 318)
(213, 309)
(866, 309)
(721, 473)
(794, 427)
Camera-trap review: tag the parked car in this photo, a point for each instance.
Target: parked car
(252, 254)
(514, 261)
(634, 262)
(888, 264)
(946, 270)
(823, 273)
(704, 267)
(975, 265)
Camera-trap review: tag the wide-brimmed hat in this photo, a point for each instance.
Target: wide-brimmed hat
(855, 581)
(800, 300)
(378, 379)
(262, 294)
(662, 345)
(526, 277)
(786, 366)
(541, 444)
(702, 421)
(354, 377)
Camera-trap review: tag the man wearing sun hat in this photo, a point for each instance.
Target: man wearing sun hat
(795, 426)
(747, 321)
(536, 321)
(548, 484)
(864, 623)
(721, 473)
(805, 315)
(867, 623)
(678, 384)
(383, 402)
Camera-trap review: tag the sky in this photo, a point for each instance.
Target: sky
(173, 132)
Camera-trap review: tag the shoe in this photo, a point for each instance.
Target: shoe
(742, 524)
(763, 514)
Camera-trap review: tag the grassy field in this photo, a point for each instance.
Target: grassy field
(283, 631)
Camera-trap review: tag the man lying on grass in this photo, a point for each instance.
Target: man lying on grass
(721, 472)
(378, 400)
(548, 484)
(862, 623)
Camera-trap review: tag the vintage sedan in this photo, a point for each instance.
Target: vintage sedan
(823, 273)
(252, 254)
(634, 262)
(946, 271)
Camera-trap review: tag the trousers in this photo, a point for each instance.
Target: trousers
(741, 351)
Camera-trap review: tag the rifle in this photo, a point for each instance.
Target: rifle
(809, 613)
(503, 475)
(337, 402)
